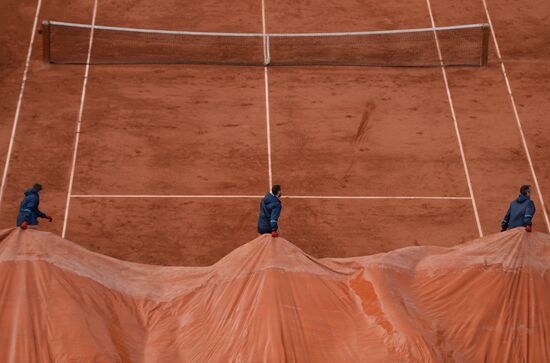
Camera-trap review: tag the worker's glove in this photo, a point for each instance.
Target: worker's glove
(503, 227)
(529, 228)
(49, 218)
(274, 234)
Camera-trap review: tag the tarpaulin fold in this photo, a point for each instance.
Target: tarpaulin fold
(482, 301)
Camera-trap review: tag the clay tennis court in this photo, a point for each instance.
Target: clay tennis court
(389, 173)
(166, 164)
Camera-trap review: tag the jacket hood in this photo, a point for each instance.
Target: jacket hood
(31, 191)
(270, 198)
(522, 198)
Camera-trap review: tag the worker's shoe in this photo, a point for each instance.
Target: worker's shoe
(24, 225)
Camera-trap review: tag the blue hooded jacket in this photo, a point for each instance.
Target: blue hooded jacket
(28, 210)
(520, 213)
(270, 210)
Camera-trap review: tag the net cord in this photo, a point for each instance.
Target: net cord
(266, 35)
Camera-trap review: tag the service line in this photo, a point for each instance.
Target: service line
(206, 196)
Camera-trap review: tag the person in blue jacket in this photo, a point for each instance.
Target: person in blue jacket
(28, 210)
(521, 211)
(270, 210)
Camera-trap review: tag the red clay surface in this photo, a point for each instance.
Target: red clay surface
(122, 233)
(334, 131)
(187, 111)
(45, 135)
(267, 300)
(341, 121)
(15, 27)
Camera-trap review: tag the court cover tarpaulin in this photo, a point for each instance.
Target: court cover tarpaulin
(484, 301)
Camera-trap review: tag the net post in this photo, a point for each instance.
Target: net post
(267, 56)
(486, 31)
(45, 31)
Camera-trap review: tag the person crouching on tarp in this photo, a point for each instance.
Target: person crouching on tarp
(28, 210)
(521, 211)
(270, 210)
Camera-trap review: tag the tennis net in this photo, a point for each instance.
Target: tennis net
(68, 43)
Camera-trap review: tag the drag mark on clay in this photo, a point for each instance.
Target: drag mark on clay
(360, 136)
(364, 124)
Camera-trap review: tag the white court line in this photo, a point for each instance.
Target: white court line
(374, 197)
(19, 103)
(79, 122)
(266, 90)
(516, 114)
(268, 128)
(137, 196)
(205, 196)
(455, 122)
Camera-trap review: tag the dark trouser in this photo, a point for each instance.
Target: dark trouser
(263, 230)
(26, 216)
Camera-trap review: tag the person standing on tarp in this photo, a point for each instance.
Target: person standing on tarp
(521, 211)
(270, 210)
(28, 210)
